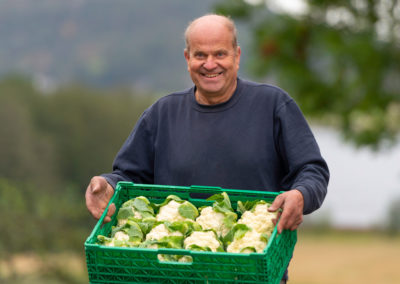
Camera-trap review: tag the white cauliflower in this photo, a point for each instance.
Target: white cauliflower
(251, 241)
(218, 217)
(170, 212)
(209, 219)
(173, 209)
(203, 240)
(259, 219)
(120, 239)
(160, 231)
(128, 235)
(161, 236)
(121, 236)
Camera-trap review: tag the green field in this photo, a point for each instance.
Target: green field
(338, 257)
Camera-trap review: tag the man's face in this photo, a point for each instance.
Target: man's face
(212, 62)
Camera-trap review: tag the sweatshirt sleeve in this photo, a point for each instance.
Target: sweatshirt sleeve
(305, 168)
(135, 160)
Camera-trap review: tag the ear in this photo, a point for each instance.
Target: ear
(238, 53)
(186, 54)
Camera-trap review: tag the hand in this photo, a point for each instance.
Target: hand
(291, 202)
(98, 194)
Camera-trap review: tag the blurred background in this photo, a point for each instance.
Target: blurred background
(76, 75)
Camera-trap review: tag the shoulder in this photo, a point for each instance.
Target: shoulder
(265, 92)
(173, 101)
(174, 98)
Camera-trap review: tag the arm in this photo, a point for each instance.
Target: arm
(306, 172)
(135, 160)
(133, 163)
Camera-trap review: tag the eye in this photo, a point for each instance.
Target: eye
(199, 55)
(220, 54)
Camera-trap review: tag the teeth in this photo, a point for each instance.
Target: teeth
(211, 75)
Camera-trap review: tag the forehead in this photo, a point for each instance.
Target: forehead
(210, 35)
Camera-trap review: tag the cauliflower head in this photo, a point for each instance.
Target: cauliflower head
(251, 241)
(160, 231)
(259, 219)
(174, 209)
(209, 219)
(203, 241)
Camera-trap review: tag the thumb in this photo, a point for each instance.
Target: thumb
(278, 203)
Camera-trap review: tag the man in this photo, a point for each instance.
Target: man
(223, 132)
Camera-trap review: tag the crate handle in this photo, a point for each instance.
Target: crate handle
(205, 188)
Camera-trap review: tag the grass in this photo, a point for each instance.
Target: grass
(345, 257)
(320, 257)
(54, 268)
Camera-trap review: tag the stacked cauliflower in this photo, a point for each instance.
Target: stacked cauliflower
(178, 224)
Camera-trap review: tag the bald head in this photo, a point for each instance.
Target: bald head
(208, 22)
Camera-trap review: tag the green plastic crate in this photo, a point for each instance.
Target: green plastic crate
(137, 265)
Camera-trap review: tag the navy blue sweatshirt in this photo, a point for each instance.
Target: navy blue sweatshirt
(257, 140)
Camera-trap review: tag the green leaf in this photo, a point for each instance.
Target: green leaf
(185, 227)
(240, 230)
(230, 219)
(195, 247)
(236, 233)
(240, 207)
(222, 202)
(146, 224)
(103, 240)
(133, 229)
(188, 210)
(249, 205)
(265, 237)
(171, 242)
(142, 204)
(248, 248)
(128, 203)
(125, 213)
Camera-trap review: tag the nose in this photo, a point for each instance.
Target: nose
(210, 63)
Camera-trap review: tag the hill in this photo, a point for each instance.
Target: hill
(98, 42)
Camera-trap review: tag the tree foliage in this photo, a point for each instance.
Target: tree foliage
(51, 145)
(340, 60)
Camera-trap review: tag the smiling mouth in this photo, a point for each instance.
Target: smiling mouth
(211, 75)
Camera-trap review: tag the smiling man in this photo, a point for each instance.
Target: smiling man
(224, 131)
(213, 58)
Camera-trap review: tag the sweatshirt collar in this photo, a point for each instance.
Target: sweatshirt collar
(218, 107)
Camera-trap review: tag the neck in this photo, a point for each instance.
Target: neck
(214, 99)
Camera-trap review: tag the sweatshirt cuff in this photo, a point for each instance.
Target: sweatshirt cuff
(111, 179)
(306, 197)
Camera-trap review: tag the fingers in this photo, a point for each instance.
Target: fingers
(98, 195)
(275, 220)
(110, 212)
(291, 203)
(290, 220)
(278, 203)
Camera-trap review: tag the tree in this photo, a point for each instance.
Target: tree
(340, 60)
